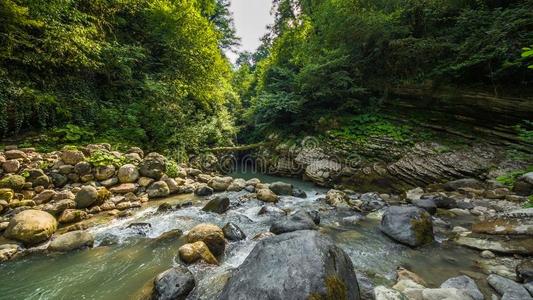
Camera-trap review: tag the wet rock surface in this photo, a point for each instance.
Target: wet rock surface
(279, 268)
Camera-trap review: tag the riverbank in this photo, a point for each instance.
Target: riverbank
(464, 227)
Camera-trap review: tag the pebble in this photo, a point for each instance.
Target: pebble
(487, 254)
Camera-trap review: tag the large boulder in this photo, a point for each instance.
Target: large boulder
(86, 196)
(408, 225)
(153, 166)
(128, 173)
(173, 284)
(296, 265)
(158, 189)
(301, 220)
(71, 241)
(210, 234)
(218, 204)
(281, 188)
(31, 227)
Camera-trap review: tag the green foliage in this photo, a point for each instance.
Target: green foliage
(525, 131)
(509, 179)
(101, 158)
(172, 168)
(360, 128)
(328, 58)
(130, 71)
(73, 134)
(528, 54)
(529, 202)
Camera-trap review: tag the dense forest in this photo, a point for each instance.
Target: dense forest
(155, 73)
(325, 59)
(138, 72)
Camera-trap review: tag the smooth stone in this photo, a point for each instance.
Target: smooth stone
(71, 241)
(31, 227)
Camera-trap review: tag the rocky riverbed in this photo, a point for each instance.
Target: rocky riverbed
(114, 225)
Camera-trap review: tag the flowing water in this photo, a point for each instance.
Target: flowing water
(125, 260)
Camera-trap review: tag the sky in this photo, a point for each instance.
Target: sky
(251, 18)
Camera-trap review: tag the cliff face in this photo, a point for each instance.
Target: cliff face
(475, 113)
(469, 134)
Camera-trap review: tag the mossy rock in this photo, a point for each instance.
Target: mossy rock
(14, 182)
(31, 227)
(6, 195)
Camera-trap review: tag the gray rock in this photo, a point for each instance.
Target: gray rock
(232, 232)
(296, 265)
(524, 185)
(83, 168)
(86, 196)
(109, 182)
(408, 225)
(465, 283)
(128, 173)
(298, 193)
(427, 205)
(58, 180)
(508, 288)
(158, 189)
(218, 204)
(102, 173)
(173, 284)
(463, 183)
(153, 166)
(524, 270)
(371, 202)
(385, 293)
(300, 220)
(442, 201)
(71, 241)
(281, 188)
(203, 190)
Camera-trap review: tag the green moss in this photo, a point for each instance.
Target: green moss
(529, 203)
(509, 179)
(423, 229)
(15, 182)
